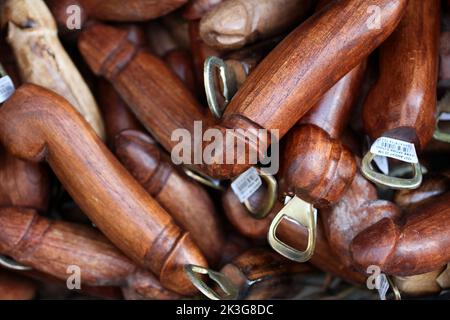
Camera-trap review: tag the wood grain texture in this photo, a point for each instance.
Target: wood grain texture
(42, 60)
(23, 183)
(292, 78)
(15, 287)
(316, 165)
(415, 244)
(233, 24)
(52, 246)
(145, 83)
(261, 274)
(97, 182)
(196, 9)
(115, 112)
(358, 209)
(402, 104)
(181, 63)
(187, 202)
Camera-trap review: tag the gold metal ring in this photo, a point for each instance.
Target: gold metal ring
(302, 213)
(192, 271)
(228, 82)
(13, 265)
(392, 182)
(263, 211)
(395, 290)
(203, 179)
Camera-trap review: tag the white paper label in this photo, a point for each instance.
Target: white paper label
(384, 286)
(382, 164)
(445, 116)
(246, 184)
(6, 88)
(396, 149)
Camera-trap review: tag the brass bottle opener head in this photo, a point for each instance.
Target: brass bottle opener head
(302, 213)
(231, 292)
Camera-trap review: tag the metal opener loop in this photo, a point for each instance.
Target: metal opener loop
(389, 181)
(231, 292)
(302, 213)
(228, 82)
(395, 290)
(13, 265)
(263, 211)
(203, 179)
(443, 107)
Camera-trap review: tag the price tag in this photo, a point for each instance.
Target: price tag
(383, 286)
(396, 149)
(246, 184)
(382, 164)
(6, 88)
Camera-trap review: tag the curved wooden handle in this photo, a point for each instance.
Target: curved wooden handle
(262, 274)
(22, 183)
(37, 124)
(52, 246)
(189, 204)
(42, 60)
(14, 287)
(235, 23)
(144, 82)
(402, 104)
(393, 245)
(358, 209)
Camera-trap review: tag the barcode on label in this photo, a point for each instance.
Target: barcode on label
(246, 184)
(396, 149)
(383, 287)
(6, 88)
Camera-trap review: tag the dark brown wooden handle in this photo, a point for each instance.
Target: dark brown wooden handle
(262, 274)
(52, 246)
(358, 209)
(36, 124)
(23, 183)
(15, 287)
(292, 78)
(181, 63)
(416, 244)
(144, 82)
(187, 202)
(402, 104)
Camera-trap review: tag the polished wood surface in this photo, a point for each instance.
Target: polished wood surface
(181, 63)
(416, 244)
(316, 165)
(97, 182)
(187, 202)
(144, 82)
(233, 24)
(292, 78)
(115, 112)
(42, 60)
(53, 246)
(402, 103)
(358, 209)
(15, 287)
(261, 274)
(23, 183)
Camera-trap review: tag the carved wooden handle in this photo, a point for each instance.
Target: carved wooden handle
(292, 78)
(23, 183)
(358, 209)
(42, 60)
(262, 274)
(52, 246)
(235, 23)
(402, 104)
(187, 202)
(15, 287)
(144, 82)
(392, 245)
(37, 124)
